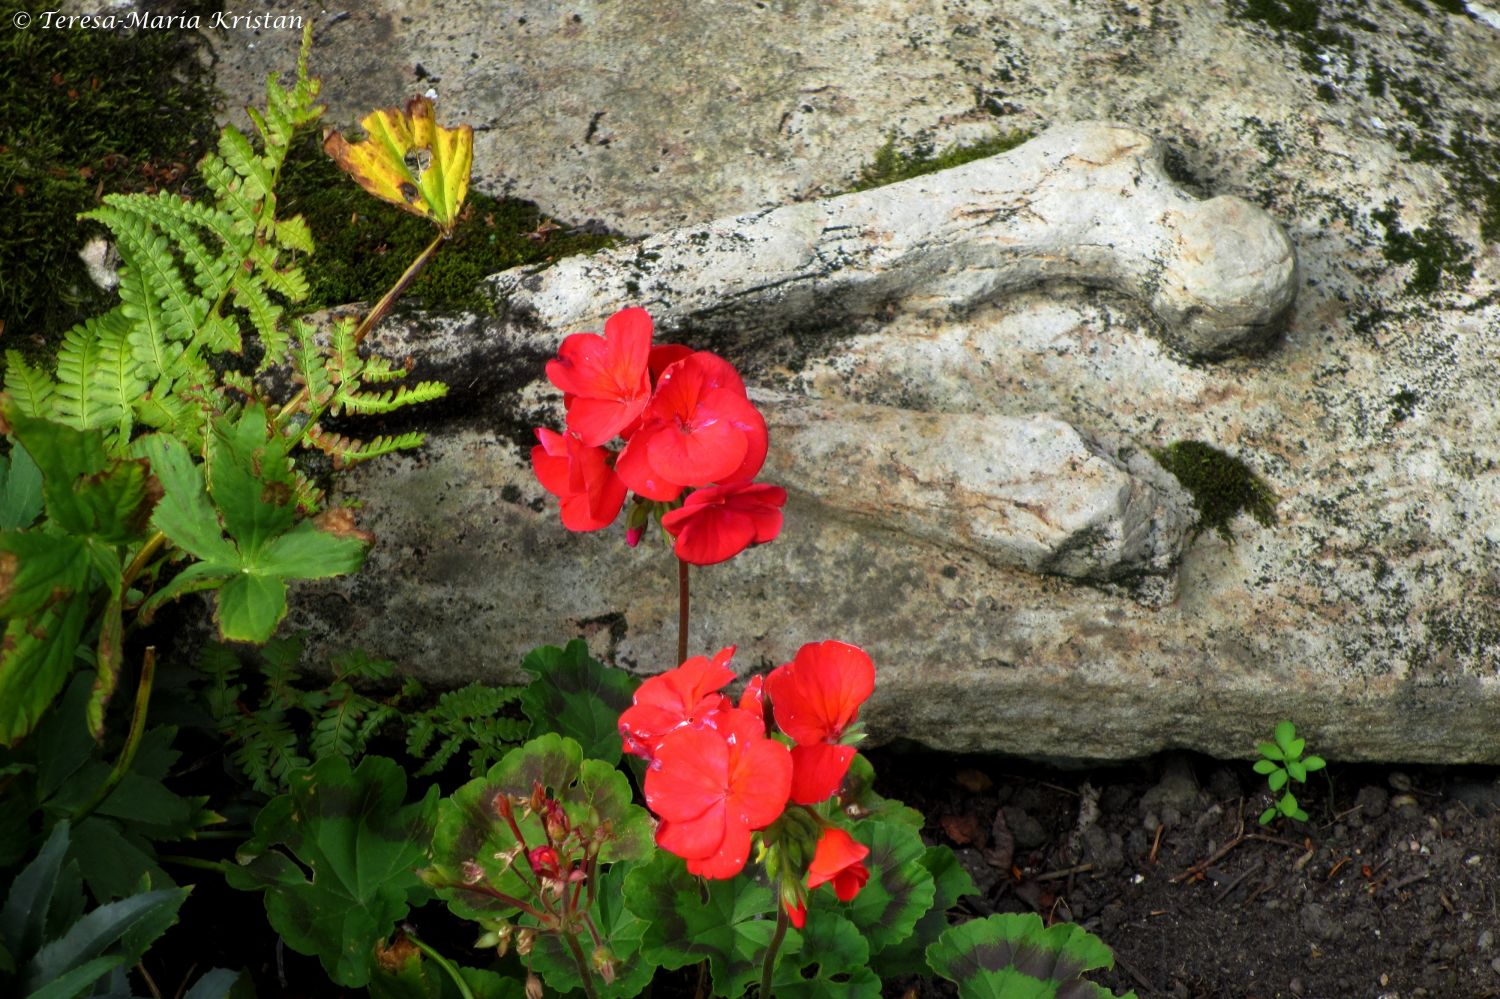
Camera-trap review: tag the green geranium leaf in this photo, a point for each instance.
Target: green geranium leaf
(576, 696)
(404, 972)
(1015, 955)
(900, 890)
(362, 843)
(249, 607)
(250, 480)
(473, 847)
(85, 491)
(950, 882)
(730, 929)
(20, 490)
(185, 514)
(38, 569)
(621, 930)
(830, 963)
(36, 657)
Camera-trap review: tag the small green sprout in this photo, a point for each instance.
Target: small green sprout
(1281, 760)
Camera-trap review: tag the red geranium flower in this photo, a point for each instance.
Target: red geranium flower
(606, 378)
(580, 476)
(814, 699)
(817, 695)
(837, 859)
(699, 428)
(679, 697)
(719, 522)
(712, 786)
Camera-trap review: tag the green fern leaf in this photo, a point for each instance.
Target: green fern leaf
(265, 316)
(226, 185)
(293, 234)
(385, 402)
(345, 451)
(210, 271)
(241, 155)
(307, 362)
(149, 253)
(30, 389)
(97, 378)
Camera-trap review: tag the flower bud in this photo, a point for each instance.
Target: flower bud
(472, 872)
(538, 797)
(503, 807)
(533, 986)
(604, 963)
(525, 938)
(504, 933)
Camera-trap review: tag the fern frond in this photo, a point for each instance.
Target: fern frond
(166, 211)
(288, 282)
(267, 750)
(309, 496)
(97, 377)
(226, 185)
(265, 316)
(242, 157)
(385, 402)
(346, 451)
(293, 234)
(30, 389)
(356, 664)
(232, 233)
(381, 369)
(148, 252)
(307, 363)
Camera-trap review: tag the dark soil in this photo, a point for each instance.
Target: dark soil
(1391, 889)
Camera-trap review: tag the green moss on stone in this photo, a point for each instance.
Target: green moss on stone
(83, 113)
(363, 245)
(1222, 486)
(1432, 251)
(892, 164)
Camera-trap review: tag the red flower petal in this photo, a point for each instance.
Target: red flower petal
(817, 695)
(838, 858)
(718, 432)
(719, 522)
(636, 472)
(682, 696)
(607, 376)
(818, 770)
(591, 493)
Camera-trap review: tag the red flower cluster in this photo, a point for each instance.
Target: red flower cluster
(686, 423)
(716, 776)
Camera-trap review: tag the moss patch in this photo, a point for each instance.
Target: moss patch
(892, 164)
(1222, 486)
(1432, 251)
(363, 245)
(83, 113)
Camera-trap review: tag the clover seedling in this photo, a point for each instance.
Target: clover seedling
(1282, 760)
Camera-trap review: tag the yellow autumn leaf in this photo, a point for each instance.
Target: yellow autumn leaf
(410, 160)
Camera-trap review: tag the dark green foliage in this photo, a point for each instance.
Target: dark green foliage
(575, 696)
(83, 111)
(51, 949)
(364, 244)
(1221, 485)
(353, 830)
(1015, 955)
(892, 165)
(481, 717)
(285, 721)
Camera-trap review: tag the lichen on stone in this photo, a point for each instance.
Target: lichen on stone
(1222, 486)
(1432, 250)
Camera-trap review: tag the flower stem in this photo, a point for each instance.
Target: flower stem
(584, 971)
(132, 738)
(769, 968)
(442, 962)
(682, 610)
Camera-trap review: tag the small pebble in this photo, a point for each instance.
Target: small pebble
(1398, 781)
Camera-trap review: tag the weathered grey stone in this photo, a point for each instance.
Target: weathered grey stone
(1370, 613)
(1028, 492)
(1087, 203)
